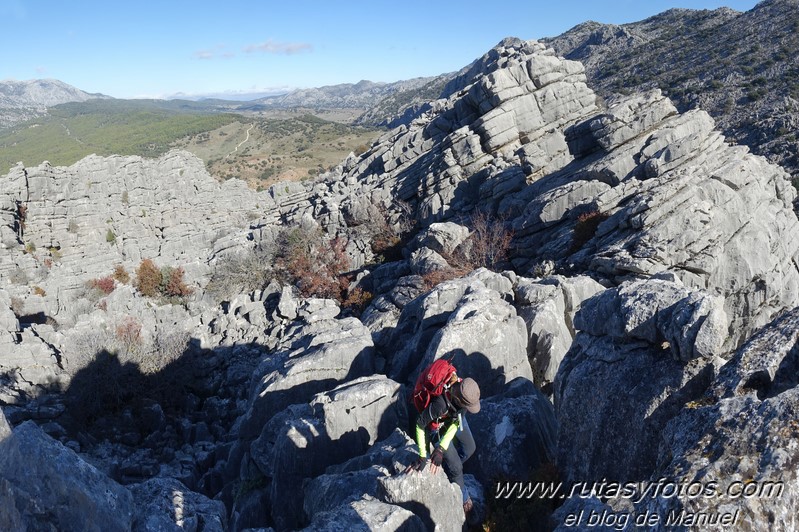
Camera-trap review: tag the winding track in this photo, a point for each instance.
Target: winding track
(240, 143)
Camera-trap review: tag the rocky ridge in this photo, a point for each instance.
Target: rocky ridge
(271, 393)
(23, 100)
(736, 66)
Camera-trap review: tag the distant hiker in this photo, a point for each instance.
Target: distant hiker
(442, 400)
(19, 219)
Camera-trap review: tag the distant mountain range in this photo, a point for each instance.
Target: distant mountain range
(22, 100)
(361, 95)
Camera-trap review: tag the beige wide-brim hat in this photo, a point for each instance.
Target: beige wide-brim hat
(467, 394)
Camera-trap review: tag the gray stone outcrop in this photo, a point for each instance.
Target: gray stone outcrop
(689, 323)
(515, 432)
(634, 333)
(43, 484)
(163, 504)
(342, 424)
(548, 307)
(311, 358)
(465, 319)
(747, 423)
(367, 515)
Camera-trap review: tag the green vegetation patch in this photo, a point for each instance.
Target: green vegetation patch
(105, 127)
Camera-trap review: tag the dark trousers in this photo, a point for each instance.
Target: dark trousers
(461, 448)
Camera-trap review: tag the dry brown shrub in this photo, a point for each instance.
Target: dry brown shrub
(128, 335)
(106, 285)
(121, 274)
(148, 278)
(357, 300)
(312, 261)
(488, 246)
(174, 284)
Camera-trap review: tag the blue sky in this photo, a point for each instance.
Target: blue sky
(155, 49)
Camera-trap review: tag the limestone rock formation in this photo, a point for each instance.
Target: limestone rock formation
(465, 319)
(548, 307)
(43, 484)
(621, 343)
(516, 431)
(741, 434)
(162, 504)
(644, 251)
(367, 515)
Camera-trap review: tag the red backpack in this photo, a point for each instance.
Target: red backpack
(432, 382)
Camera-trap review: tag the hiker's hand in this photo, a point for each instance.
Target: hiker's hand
(435, 460)
(418, 465)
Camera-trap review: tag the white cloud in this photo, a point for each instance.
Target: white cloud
(204, 54)
(214, 53)
(275, 47)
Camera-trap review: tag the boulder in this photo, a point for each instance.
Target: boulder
(608, 428)
(739, 439)
(548, 307)
(367, 515)
(487, 338)
(425, 261)
(435, 500)
(311, 358)
(516, 434)
(341, 424)
(463, 318)
(329, 491)
(690, 323)
(164, 504)
(443, 238)
(44, 484)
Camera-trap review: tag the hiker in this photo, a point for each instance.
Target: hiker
(442, 424)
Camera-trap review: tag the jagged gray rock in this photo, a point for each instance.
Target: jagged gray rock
(163, 504)
(329, 491)
(44, 484)
(311, 358)
(338, 425)
(691, 323)
(357, 478)
(515, 432)
(672, 49)
(620, 342)
(80, 222)
(443, 238)
(741, 435)
(367, 515)
(548, 307)
(433, 498)
(465, 319)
